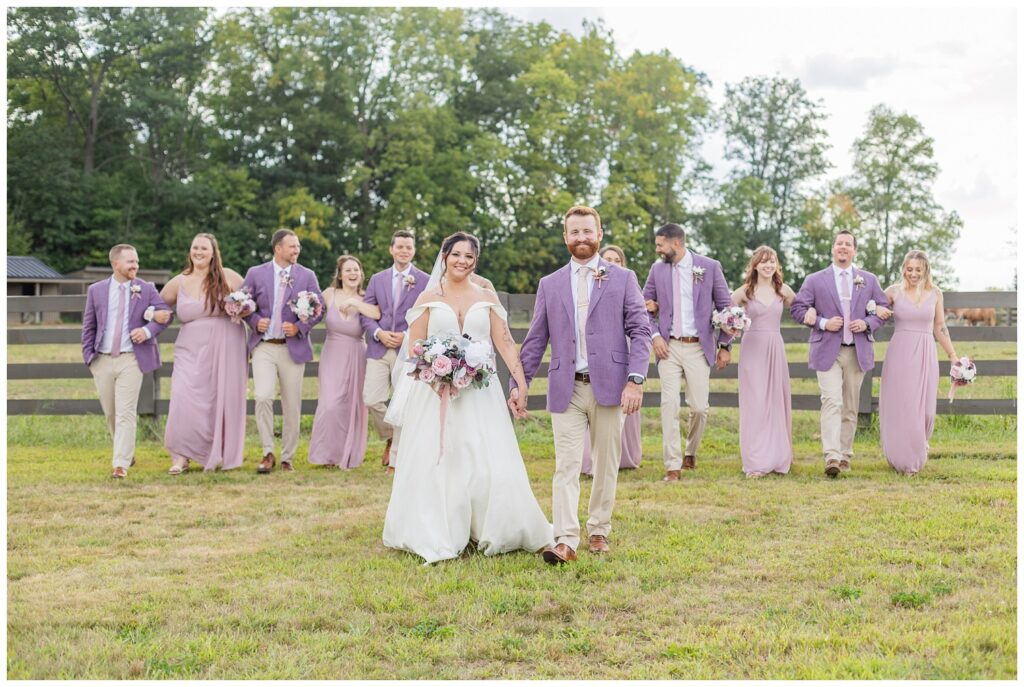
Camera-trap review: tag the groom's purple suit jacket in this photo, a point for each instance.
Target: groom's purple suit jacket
(94, 321)
(819, 291)
(260, 282)
(379, 292)
(618, 336)
(710, 293)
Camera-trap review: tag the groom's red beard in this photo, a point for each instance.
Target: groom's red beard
(584, 250)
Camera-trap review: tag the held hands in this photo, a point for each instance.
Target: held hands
(858, 326)
(835, 324)
(723, 359)
(289, 328)
(517, 404)
(811, 318)
(632, 398)
(138, 335)
(390, 339)
(162, 316)
(263, 325)
(660, 348)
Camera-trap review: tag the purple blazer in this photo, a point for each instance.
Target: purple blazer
(819, 291)
(378, 292)
(710, 293)
(618, 336)
(94, 322)
(260, 281)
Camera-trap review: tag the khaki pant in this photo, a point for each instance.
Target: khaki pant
(376, 390)
(118, 381)
(840, 396)
(684, 361)
(604, 424)
(271, 363)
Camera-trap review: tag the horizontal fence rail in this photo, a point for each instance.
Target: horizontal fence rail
(520, 307)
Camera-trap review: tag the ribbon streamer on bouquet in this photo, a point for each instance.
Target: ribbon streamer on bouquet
(445, 395)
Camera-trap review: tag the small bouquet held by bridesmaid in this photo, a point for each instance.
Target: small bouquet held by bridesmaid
(239, 304)
(449, 364)
(305, 305)
(734, 318)
(961, 373)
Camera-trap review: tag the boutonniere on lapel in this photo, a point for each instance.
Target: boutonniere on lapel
(698, 274)
(600, 275)
(287, 280)
(136, 291)
(858, 282)
(410, 281)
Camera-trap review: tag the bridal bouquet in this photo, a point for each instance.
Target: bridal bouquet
(961, 373)
(449, 364)
(305, 305)
(239, 304)
(735, 318)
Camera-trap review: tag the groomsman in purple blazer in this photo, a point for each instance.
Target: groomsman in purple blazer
(119, 346)
(834, 304)
(592, 314)
(395, 290)
(685, 289)
(279, 344)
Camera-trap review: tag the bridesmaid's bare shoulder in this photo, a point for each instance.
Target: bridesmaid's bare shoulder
(739, 296)
(233, 278)
(787, 294)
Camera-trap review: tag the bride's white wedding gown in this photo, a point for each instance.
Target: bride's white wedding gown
(479, 490)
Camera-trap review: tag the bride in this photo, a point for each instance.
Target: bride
(477, 489)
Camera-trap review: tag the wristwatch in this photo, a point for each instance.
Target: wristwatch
(725, 347)
(636, 379)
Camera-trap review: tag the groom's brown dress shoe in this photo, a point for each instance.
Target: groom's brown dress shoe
(119, 473)
(599, 544)
(386, 458)
(558, 554)
(287, 467)
(671, 476)
(267, 464)
(832, 467)
(689, 462)
(844, 466)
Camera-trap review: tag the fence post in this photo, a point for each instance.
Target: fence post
(864, 410)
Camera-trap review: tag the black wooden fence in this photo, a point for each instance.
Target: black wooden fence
(520, 307)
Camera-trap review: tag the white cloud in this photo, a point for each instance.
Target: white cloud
(848, 73)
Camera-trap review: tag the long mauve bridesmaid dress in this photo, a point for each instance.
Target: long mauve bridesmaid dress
(339, 427)
(206, 419)
(766, 412)
(910, 385)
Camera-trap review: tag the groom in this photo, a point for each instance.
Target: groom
(592, 313)
(394, 290)
(279, 344)
(842, 345)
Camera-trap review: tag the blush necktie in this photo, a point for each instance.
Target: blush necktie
(115, 346)
(582, 306)
(677, 303)
(277, 328)
(845, 300)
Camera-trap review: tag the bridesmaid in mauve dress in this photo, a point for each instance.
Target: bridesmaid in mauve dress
(631, 453)
(340, 425)
(206, 420)
(766, 413)
(910, 371)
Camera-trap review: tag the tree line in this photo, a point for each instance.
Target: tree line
(148, 125)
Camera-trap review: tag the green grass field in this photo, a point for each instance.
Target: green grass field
(234, 575)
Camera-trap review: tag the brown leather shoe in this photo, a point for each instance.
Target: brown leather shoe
(119, 473)
(390, 470)
(671, 476)
(558, 554)
(267, 464)
(286, 467)
(689, 462)
(599, 544)
(386, 458)
(844, 465)
(133, 462)
(832, 467)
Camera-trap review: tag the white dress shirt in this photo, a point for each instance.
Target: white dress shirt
(395, 274)
(685, 269)
(107, 342)
(837, 273)
(575, 267)
(278, 295)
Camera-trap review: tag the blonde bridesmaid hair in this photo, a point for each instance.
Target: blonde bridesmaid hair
(926, 283)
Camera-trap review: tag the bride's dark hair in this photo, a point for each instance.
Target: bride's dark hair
(449, 244)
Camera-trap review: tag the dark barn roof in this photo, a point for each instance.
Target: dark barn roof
(21, 267)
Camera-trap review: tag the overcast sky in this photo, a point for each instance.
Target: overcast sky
(955, 69)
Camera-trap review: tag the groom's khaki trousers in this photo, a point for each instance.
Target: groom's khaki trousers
(376, 390)
(684, 361)
(604, 423)
(272, 363)
(840, 395)
(118, 381)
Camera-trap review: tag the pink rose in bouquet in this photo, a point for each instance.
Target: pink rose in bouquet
(961, 373)
(239, 305)
(442, 365)
(306, 305)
